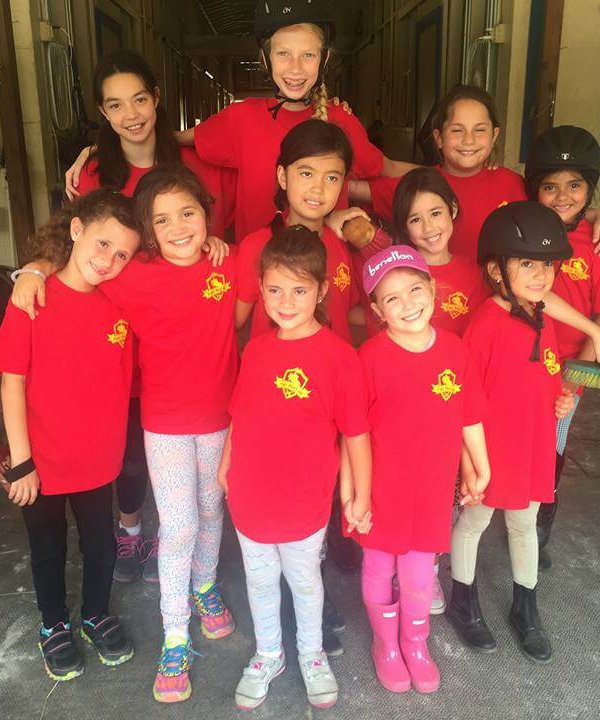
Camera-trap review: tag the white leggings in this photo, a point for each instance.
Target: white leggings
(522, 543)
(300, 562)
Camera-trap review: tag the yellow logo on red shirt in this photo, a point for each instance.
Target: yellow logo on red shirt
(551, 362)
(293, 384)
(576, 269)
(456, 305)
(216, 287)
(342, 277)
(119, 333)
(446, 385)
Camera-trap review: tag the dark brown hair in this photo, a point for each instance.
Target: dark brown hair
(52, 241)
(417, 181)
(165, 179)
(300, 251)
(312, 138)
(112, 166)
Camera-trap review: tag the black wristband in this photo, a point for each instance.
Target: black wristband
(19, 471)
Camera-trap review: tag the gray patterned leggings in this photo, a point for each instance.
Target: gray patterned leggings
(183, 473)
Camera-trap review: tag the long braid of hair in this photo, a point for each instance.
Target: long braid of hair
(320, 100)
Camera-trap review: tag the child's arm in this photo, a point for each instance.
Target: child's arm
(475, 465)
(242, 313)
(359, 460)
(396, 168)
(217, 250)
(357, 316)
(225, 463)
(592, 215)
(30, 287)
(564, 403)
(359, 191)
(14, 408)
(559, 309)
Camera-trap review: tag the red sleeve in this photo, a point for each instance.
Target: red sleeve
(216, 138)
(515, 186)
(248, 274)
(368, 159)
(15, 341)
(89, 179)
(595, 283)
(350, 402)
(474, 400)
(382, 195)
(369, 383)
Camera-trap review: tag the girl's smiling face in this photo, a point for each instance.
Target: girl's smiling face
(530, 280)
(291, 300)
(467, 138)
(129, 107)
(565, 192)
(313, 186)
(404, 300)
(179, 225)
(429, 226)
(295, 56)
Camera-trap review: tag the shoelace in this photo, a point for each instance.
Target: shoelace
(209, 602)
(177, 660)
(127, 545)
(149, 549)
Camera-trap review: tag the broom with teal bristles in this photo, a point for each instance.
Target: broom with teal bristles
(581, 372)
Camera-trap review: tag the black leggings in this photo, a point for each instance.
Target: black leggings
(46, 525)
(133, 478)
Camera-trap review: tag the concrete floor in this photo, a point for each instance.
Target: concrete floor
(504, 685)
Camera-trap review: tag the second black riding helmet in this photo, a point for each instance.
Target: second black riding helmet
(524, 229)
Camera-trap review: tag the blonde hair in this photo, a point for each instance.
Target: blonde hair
(320, 96)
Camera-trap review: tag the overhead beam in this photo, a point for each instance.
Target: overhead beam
(219, 46)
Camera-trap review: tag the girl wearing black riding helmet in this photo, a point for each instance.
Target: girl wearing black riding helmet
(562, 173)
(515, 354)
(294, 37)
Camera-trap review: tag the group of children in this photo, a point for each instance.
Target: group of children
(462, 368)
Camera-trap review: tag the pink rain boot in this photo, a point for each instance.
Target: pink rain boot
(389, 666)
(414, 632)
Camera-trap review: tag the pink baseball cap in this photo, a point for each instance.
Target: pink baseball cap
(396, 256)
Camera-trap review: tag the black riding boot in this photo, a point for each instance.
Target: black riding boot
(525, 619)
(464, 614)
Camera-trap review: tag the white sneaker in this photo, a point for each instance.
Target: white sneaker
(438, 601)
(253, 687)
(321, 685)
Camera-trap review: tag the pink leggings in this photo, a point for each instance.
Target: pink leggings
(415, 577)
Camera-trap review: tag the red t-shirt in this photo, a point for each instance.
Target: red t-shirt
(578, 282)
(76, 357)
(291, 400)
(418, 406)
(220, 183)
(245, 136)
(183, 318)
(343, 288)
(520, 423)
(477, 196)
(459, 291)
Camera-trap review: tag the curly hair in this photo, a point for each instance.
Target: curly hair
(52, 241)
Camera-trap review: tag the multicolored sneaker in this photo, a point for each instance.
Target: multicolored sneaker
(149, 555)
(105, 633)
(62, 657)
(438, 601)
(172, 683)
(128, 565)
(321, 685)
(215, 619)
(252, 689)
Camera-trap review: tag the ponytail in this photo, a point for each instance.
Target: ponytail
(320, 102)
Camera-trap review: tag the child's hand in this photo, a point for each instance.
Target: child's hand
(24, 491)
(344, 104)
(28, 289)
(217, 250)
(564, 403)
(337, 218)
(358, 516)
(472, 489)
